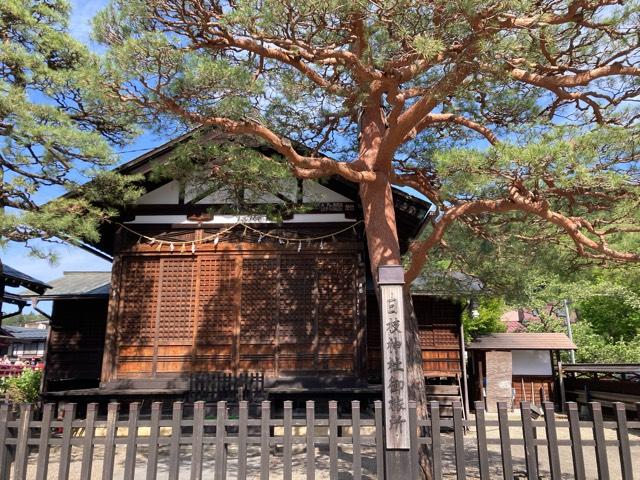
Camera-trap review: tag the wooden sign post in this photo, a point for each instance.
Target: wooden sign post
(394, 358)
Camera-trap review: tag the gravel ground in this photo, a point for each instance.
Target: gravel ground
(368, 460)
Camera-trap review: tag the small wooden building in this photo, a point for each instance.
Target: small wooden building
(197, 293)
(12, 278)
(511, 367)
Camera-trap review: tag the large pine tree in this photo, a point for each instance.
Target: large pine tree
(514, 118)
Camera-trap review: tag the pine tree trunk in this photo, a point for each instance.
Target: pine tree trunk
(382, 243)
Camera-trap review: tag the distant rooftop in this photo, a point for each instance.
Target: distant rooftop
(15, 278)
(446, 284)
(25, 333)
(522, 341)
(77, 285)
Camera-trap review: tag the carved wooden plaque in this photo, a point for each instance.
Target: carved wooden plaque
(394, 359)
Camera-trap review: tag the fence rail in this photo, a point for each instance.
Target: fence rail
(130, 445)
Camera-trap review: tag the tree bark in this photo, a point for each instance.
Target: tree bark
(384, 249)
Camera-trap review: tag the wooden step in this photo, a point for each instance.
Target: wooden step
(442, 390)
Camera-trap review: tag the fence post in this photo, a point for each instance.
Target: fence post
(243, 421)
(576, 441)
(529, 441)
(505, 441)
(65, 449)
(415, 446)
(286, 445)
(110, 440)
(333, 440)
(458, 440)
(481, 436)
(154, 427)
(552, 440)
(355, 440)
(598, 436)
(623, 441)
(221, 448)
(265, 434)
(43, 443)
(87, 442)
(311, 441)
(377, 407)
(132, 442)
(174, 444)
(197, 440)
(563, 395)
(5, 450)
(22, 455)
(436, 450)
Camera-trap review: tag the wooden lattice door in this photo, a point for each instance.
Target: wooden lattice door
(175, 322)
(218, 292)
(259, 313)
(337, 313)
(297, 322)
(137, 314)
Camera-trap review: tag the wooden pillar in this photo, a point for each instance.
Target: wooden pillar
(463, 367)
(563, 397)
(394, 368)
(1, 293)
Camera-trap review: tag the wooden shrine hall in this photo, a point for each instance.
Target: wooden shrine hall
(200, 297)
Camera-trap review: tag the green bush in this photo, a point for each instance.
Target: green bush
(490, 311)
(24, 388)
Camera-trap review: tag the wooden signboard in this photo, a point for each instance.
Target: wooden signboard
(394, 358)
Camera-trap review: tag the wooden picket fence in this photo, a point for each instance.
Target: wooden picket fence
(90, 445)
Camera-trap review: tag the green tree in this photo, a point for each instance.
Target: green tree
(23, 318)
(593, 347)
(55, 127)
(488, 320)
(513, 118)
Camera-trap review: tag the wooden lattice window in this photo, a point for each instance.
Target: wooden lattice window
(297, 300)
(138, 292)
(175, 320)
(259, 307)
(216, 300)
(336, 300)
(259, 314)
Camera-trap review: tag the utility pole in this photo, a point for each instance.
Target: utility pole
(572, 353)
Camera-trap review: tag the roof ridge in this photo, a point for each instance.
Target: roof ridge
(65, 272)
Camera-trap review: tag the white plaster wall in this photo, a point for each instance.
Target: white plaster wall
(531, 362)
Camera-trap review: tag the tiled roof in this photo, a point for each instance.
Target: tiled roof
(78, 284)
(15, 278)
(24, 333)
(522, 341)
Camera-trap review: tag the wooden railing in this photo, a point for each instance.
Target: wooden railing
(240, 445)
(11, 370)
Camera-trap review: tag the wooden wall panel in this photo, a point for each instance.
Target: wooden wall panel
(337, 296)
(217, 310)
(439, 324)
(175, 316)
(138, 301)
(76, 344)
(297, 302)
(534, 386)
(217, 313)
(259, 309)
(273, 312)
